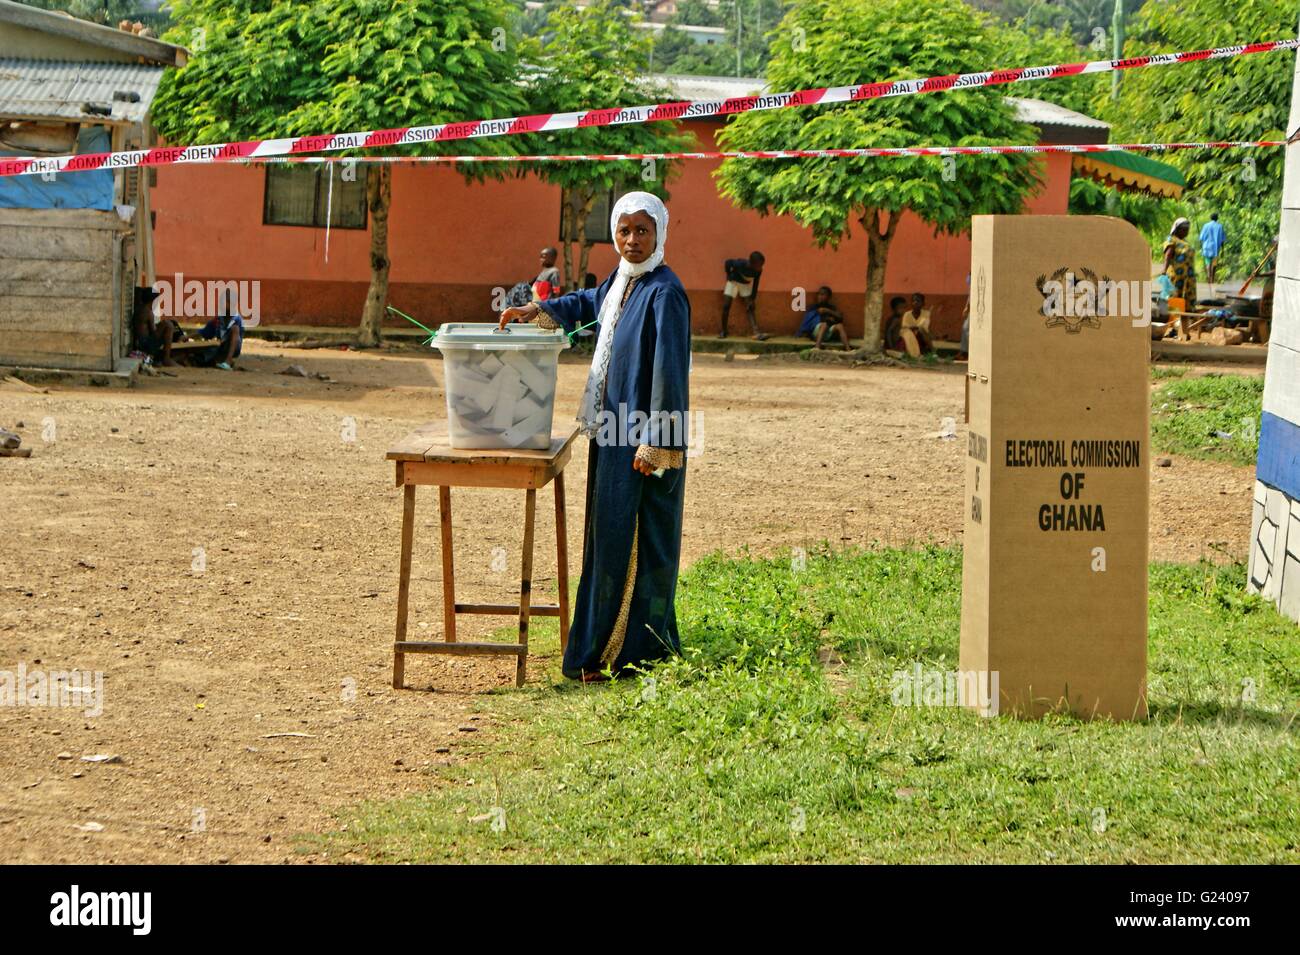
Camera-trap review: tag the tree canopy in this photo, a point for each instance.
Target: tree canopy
(288, 69)
(595, 57)
(1241, 98)
(837, 42)
(284, 69)
(853, 41)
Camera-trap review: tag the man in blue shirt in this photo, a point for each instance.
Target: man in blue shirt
(1213, 239)
(823, 319)
(228, 327)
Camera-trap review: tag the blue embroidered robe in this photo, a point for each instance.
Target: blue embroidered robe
(648, 372)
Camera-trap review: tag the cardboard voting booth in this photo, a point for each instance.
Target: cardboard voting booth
(1054, 581)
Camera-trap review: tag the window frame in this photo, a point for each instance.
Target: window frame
(609, 204)
(319, 170)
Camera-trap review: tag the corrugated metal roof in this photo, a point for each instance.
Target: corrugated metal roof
(1040, 112)
(710, 87)
(59, 89)
(62, 24)
(1035, 111)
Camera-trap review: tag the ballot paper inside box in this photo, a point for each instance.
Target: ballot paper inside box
(500, 384)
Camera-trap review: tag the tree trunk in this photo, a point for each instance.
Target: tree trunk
(585, 251)
(379, 195)
(566, 216)
(877, 258)
(582, 268)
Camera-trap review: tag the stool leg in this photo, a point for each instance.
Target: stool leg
(562, 561)
(448, 570)
(404, 582)
(526, 585)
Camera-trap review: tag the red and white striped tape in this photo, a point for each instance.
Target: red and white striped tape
(546, 122)
(788, 153)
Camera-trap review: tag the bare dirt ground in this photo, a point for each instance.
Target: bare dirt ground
(215, 545)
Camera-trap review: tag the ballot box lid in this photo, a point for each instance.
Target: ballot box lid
(487, 336)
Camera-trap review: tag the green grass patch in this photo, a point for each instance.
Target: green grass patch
(1190, 415)
(752, 748)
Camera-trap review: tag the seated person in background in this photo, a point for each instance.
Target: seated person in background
(917, 321)
(547, 283)
(826, 319)
(808, 327)
(228, 328)
(153, 337)
(894, 324)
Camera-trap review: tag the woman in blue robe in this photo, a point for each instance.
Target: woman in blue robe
(634, 410)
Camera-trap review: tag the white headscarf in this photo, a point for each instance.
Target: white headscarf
(612, 308)
(1178, 222)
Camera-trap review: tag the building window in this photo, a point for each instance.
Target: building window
(597, 219)
(299, 194)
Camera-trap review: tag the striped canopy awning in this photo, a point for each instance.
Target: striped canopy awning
(1131, 172)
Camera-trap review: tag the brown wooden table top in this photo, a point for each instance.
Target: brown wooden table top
(430, 442)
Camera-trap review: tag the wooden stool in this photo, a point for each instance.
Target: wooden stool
(426, 457)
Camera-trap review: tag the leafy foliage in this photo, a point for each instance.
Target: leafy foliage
(1088, 21)
(1241, 98)
(1020, 44)
(594, 57)
(853, 41)
(825, 43)
(286, 69)
(266, 69)
(1150, 214)
(750, 26)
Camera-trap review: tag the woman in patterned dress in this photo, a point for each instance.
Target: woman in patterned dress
(1180, 262)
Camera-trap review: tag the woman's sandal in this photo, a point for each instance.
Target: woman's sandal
(594, 678)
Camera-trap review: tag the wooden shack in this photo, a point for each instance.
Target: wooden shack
(73, 246)
(65, 293)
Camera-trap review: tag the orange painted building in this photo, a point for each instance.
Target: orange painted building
(452, 243)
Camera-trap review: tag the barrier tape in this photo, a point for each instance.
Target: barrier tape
(545, 122)
(874, 151)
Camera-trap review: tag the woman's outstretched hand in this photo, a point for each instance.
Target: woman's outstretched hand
(522, 313)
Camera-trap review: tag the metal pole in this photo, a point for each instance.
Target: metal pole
(1117, 27)
(738, 29)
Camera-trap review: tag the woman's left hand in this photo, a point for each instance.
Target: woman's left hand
(642, 466)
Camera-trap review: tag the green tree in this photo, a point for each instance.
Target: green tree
(1240, 98)
(290, 69)
(698, 13)
(838, 42)
(1089, 21)
(1022, 45)
(586, 58)
(749, 25)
